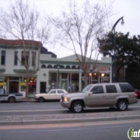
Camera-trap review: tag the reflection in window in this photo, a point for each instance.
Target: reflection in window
(111, 89)
(53, 91)
(97, 89)
(87, 88)
(60, 91)
(126, 88)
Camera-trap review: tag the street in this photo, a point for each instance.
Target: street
(78, 131)
(35, 108)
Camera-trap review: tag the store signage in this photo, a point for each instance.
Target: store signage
(2, 83)
(22, 84)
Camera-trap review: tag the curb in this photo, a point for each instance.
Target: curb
(58, 121)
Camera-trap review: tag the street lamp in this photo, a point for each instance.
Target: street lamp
(90, 77)
(58, 67)
(114, 59)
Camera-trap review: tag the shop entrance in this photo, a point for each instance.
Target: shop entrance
(42, 87)
(64, 84)
(13, 87)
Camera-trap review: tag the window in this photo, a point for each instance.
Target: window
(60, 91)
(97, 89)
(126, 88)
(3, 57)
(53, 91)
(16, 58)
(87, 88)
(1, 91)
(111, 89)
(25, 58)
(64, 75)
(34, 59)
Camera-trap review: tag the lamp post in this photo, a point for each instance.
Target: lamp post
(114, 59)
(90, 78)
(58, 67)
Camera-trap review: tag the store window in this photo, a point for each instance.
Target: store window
(16, 58)
(31, 83)
(64, 75)
(34, 59)
(25, 58)
(3, 57)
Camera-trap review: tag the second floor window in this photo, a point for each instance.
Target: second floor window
(3, 57)
(16, 58)
(25, 58)
(34, 59)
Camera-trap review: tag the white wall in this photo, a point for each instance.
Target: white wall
(10, 54)
(42, 76)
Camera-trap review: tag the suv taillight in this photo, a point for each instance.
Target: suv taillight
(136, 94)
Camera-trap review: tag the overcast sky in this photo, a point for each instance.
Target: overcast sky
(130, 9)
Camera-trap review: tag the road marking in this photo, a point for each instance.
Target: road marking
(32, 110)
(51, 110)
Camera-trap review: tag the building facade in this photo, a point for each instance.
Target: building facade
(53, 72)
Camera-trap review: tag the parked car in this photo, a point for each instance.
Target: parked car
(138, 93)
(10, 97)
(53, 94)
(118, 95)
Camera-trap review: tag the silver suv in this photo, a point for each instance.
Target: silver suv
(118, 95)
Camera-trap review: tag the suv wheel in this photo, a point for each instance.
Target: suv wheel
(41, 99)
(77, 107)
(122, 105)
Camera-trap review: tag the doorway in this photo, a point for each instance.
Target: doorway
(13, 87)
(42, 87)
(64, 84)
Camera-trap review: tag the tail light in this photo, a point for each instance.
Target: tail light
(136, 94)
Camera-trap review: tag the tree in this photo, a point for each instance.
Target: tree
(127, 49)
(22, 22)
(78, 29)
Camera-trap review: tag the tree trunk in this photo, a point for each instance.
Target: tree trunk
(27, 81)
(118, 74)
(86, 78)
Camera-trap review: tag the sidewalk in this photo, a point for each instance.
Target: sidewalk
(27, 100)
(68, 118)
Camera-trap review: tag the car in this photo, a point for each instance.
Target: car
(138, 93)
(53, 94)
(113, 95)
(10, 97)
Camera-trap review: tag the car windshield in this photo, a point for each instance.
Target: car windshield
(87, 88)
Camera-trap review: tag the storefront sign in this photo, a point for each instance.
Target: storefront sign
(22, 84)
(2, 83)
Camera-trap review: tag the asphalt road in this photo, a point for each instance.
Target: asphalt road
(35, 108)
(93, 131)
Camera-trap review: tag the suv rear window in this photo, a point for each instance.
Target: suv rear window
(126, 88)
(111, 89)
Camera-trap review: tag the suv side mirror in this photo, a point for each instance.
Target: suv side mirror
(89, 93)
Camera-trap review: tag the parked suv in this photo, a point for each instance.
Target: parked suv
(118, 95)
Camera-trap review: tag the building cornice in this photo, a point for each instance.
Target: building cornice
(70, 62)
(22, 71)
(16, 47)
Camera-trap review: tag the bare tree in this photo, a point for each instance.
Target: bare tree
(22, 22)
(78, 30)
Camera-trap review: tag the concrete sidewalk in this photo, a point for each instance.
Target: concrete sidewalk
(68, 117)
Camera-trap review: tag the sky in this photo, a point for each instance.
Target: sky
(130, 9)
